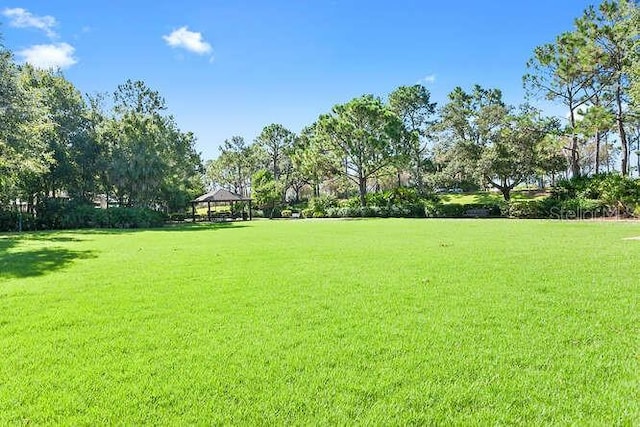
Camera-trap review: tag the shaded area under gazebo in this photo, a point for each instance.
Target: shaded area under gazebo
(221, 196)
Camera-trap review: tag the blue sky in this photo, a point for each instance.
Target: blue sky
(232, 67)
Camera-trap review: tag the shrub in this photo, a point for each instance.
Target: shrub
(431, 209)
(286, 213)
(307, 213)
(376, 199)
(458, 210)
(452, 210)
(527, 209)
(134, 218)
(8, 220)
(69, 214)
(400, 202)
(322, 203)
(334, 212)
(178, 216)
(353, 202)
(580, 208)
(615, 190)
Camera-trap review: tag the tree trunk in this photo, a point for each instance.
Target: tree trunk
(575, 160)
(418, 177)
(597, 152)
(276, 175)
(623, 134)
(362, 187)
(506, 193)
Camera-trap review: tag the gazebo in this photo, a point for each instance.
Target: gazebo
(220, 196)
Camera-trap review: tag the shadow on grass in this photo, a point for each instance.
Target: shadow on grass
(181, 227)
(21, 263)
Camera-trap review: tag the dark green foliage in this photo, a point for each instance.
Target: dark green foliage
(528, 209)
(9, 220)
(178, 216)
(397, 203)
(556, 208)
(266, 192)
(132, 218)
(57, 214)
(322, 203)
(457, 210)
(613, 190)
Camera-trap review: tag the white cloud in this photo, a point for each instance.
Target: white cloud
(46, 56)
(189, 40)
(429, 79)
(22, 18)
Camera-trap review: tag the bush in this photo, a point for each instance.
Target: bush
(376, 199)
(307, 213)
(458, 210)
(178, 216)
(55, 214)
(615, 190)
(334, 212)
(353, 202)
(527, 209)
(134, 218)
(619, 191)
(400, 202)
(579, 208)
(322, 203)
(431, 209)
(286, 213)
(8, 220)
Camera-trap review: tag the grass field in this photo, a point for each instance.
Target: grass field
(323, 322)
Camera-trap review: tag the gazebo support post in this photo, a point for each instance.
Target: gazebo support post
(193, 211)
(209, 211)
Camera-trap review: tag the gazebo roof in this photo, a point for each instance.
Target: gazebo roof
(221, 195)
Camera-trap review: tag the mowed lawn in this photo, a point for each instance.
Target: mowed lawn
(388, 321)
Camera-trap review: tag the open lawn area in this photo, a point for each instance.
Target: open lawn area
(388, 321)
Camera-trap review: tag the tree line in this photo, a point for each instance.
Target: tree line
(126, 147)
(473, 140)
(55, 142)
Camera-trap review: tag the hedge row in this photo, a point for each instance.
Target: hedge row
(81, 216)
(549, 208)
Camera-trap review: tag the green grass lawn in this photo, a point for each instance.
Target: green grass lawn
(489, 197)
(323, 322)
